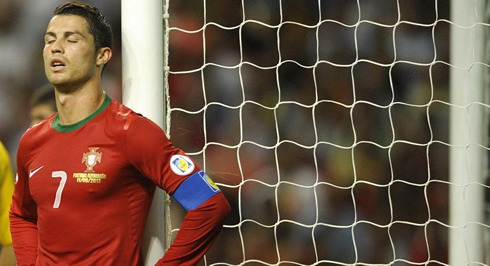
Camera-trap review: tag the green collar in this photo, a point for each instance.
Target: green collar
(72, 127)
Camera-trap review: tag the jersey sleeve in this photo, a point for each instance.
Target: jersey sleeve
(151, 153)
(6, 190)
(198, 232)
(181, 178)
(23, 216)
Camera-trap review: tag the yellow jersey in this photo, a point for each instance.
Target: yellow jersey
(6, 191)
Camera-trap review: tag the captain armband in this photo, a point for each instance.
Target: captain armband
(195, 190)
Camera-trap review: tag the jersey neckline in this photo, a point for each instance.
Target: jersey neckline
(72, 127)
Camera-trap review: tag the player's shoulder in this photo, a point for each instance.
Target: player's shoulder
(40, 129)
(36, 135)
(125, 118)
(121, 114)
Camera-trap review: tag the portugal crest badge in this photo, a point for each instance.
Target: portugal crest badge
(91, 158)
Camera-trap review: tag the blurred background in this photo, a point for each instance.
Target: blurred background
(303, 124)
(326, 135)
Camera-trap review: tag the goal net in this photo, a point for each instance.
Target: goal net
(342, 132)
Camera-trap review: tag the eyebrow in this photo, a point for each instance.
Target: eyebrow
(66, 34)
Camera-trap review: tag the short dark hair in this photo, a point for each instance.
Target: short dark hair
(44, 95)
(99, 26)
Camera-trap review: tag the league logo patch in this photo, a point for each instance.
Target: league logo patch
(181, 165)
(91, 158)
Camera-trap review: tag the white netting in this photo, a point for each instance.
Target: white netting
(326, 125)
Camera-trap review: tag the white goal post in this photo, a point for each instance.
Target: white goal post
(468, 164)
(143, 91)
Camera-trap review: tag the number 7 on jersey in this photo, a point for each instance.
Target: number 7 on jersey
(61, 186)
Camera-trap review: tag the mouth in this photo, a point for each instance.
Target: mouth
(57, 65)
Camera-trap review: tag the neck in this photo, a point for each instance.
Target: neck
(77, 105)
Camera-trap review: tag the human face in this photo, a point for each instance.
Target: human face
(40, 112)
(69, 52)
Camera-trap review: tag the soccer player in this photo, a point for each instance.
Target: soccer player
(43, 104)
(87, 175)
(7, 257)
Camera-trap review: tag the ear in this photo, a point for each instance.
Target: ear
(103, 56)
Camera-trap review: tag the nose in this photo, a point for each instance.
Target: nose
(56, 47)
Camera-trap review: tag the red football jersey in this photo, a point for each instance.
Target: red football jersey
(83, 192)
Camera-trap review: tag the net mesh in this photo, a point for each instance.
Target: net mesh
(326, 125)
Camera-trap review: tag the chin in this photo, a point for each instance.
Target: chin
(54, 78)
(56, 82)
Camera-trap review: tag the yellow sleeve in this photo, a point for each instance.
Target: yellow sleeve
(6, 191)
